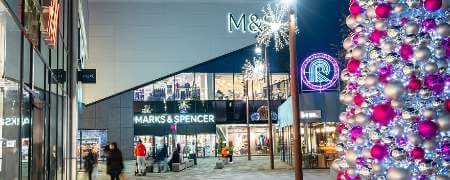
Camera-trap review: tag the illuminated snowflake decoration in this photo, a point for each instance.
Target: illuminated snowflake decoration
(274, 24)
(147, 109)
(184, 107)
(254, 69)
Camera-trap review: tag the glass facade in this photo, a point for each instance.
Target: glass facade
(34, 86)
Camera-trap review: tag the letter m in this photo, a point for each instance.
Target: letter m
(239, 25)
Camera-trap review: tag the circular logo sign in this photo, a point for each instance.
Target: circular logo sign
(320, 72)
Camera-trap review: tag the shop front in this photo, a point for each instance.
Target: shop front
(317, 131)
(94, 139)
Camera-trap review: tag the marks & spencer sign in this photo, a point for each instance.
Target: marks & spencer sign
(148, 119)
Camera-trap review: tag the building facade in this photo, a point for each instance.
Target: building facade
(40, 55)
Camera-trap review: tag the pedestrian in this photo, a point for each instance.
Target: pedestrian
(230, 150)
(114, 162)
(140, 151)
(90, 164)
(175, 156)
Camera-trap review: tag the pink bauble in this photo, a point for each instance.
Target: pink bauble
(403, 21)
(340, 127)
(353, 65)
(428, 129)
(383, 10)
(355, 9)
(432, 5)
(378, 151)
(358, 99)
(355, 132)
(447, 105)
(414, 84)
(376, 36)
(383, 114)
(417, 153)
(406, 51)
(429, 24)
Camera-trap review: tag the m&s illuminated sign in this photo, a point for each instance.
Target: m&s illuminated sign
(148, 119)
(245, 23)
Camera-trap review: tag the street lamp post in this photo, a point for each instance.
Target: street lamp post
(295, 100)
(269, 103)
(248, 120)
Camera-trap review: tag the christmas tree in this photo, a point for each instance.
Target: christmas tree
(397, 90)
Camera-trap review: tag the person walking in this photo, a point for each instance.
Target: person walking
(140, 151)
(114, 163)
(231, 149)
(90, 163)
(175, 157)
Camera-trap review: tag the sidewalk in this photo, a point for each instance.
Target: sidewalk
(241, 169)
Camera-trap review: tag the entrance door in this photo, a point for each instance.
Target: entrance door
(37, 169)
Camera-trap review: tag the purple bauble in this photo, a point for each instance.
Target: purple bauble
(378, 151)
(434, 82)
(406, 51)
(429, 24)
(355, 132)
(428, 129)
(360, 161)
(445, 148)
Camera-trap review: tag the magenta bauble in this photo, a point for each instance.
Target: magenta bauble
(376, 36)
(447, 105)
(340, 127)
(355, 9)
(417, 153)
(383, 10)
(414, 84)
(434, 82)
(428, 129)
(406, 51)
(383, 114)
(358, 99)
(429, 24)
(355, 132)
(353, 66)
(378, 151)
(432, 5)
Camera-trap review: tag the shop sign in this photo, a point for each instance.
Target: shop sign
(50, 22)
(319, 72)
(13, 121)
(87, 75)
(174, 119)
(245, 23)
(312, 114)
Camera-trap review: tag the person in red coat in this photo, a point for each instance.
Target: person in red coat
(140, 153)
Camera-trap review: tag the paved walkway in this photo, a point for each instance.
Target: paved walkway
(241, 169)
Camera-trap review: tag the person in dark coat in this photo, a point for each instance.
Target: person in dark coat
(114, 164)
(175, 156)
(90, 161)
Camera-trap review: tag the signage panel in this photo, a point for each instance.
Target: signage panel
(319, 72)
(87, 75)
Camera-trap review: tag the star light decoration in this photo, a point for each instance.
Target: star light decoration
(184, 106)
(274, 24)
(254, 69)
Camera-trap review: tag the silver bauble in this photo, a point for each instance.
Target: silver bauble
(391, 59)
(395, 173)
(442, 177)
(424, 93)
(392, 33)
(396, 103)
(387, 47)
(422, 53)
(351, 172)
(426, 167)
(371, 12)
(439, 52)
(361, 118)
(411, 28)
(361, 140)
(398, 154)
(397, 130)
(360, 18)
(358, 52)
(443, 30)
(414, 139)
(444, 122)
(364, 171)
(348, 43)
(406, 115)
(342, 138)
(429, 145)
(388, 140)
(398, 8)
(346, 98)
(380, 25)
(393, 89)
(350, 157)
(374, 136)
(429, 114)
(413, 3)
(343, 116)
(351, 22)
(366, 153)
(371, 80)
(377, 168)
(410, 39)
(407, 70)
(431, 67)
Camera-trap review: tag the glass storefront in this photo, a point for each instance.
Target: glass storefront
(237, 134)
(34, 73)
(94, 139)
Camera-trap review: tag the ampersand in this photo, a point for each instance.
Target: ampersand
(255, 24)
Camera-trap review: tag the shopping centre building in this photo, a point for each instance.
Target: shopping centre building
(203, 105)
(42, 47)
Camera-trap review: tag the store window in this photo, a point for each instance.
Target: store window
(205, 83)
(185, 88)
(280, 86)
(223, 84)
(95, 139)
(238, 85)
(163, 90)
